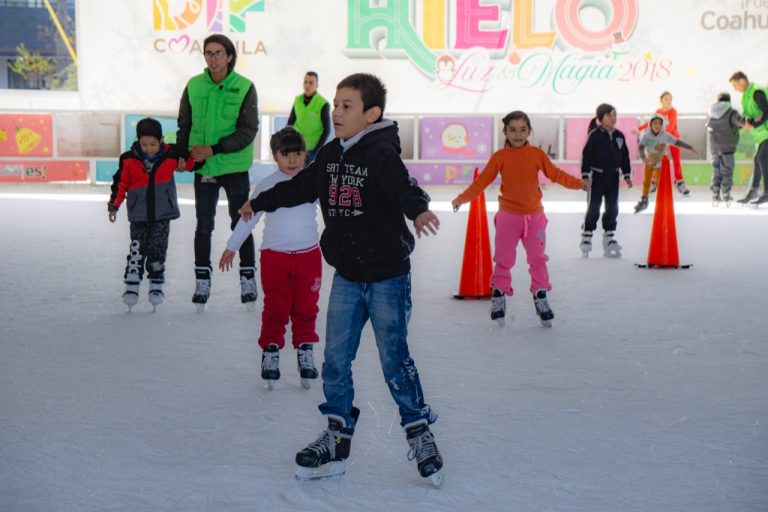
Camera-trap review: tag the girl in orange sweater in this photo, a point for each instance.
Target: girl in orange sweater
(521, 214)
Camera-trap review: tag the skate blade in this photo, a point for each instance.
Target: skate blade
(154, 308)
(270, 383)
(501, 321)
(201, 307)
(336, 468)
(250, 306)
(306, 383)
(437, 478)
(546, 323)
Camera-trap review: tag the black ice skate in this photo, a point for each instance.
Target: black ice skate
(270, 365)
(541, 304)
(751, 195)
(248, 290)
(755, 203)
(202, 288)
(327, 456)
(611, 248)
(586, 243)
(682, 188)
(306, 364)
(424, 450)
(498, 306)
(642, 204)
(156, 295)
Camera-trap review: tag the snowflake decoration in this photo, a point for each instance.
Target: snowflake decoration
(295, 49)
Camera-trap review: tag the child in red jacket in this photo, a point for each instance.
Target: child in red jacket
(145, 176)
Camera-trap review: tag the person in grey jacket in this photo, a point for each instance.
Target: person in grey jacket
(723, 124)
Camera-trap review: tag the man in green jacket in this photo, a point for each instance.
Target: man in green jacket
(218, 121)
(754, 102)
(310, 116)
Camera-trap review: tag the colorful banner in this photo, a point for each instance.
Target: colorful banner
(436, 56)
(43, 170)
(26, 135)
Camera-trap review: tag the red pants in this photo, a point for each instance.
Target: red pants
(291, 285)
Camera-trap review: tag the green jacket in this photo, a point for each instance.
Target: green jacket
(308, 121)
(751, 110)
(222, 115)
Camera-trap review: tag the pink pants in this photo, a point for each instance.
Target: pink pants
(510, 229)
(291, 284)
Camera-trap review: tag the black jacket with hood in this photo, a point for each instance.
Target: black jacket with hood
(365, 193)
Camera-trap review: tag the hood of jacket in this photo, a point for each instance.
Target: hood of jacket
(719, 109)
(663, 123)
(382, 131)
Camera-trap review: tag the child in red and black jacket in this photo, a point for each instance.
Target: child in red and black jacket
(145, 176)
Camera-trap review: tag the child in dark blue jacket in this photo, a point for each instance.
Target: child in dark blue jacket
(604, 158)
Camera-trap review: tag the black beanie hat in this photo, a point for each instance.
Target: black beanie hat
(150, 128)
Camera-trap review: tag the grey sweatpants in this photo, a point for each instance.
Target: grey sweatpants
(722, 173)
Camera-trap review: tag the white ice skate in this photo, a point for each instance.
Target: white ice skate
(586, 244)
(611, 248)
(156, 295)
(202, 288)
(131, 293)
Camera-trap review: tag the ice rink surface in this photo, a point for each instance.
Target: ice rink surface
(648, 394)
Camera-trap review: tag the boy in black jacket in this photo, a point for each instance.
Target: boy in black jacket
(364, 191)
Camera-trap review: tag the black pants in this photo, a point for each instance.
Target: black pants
(604, 185)
(760, 168)
(149, 245)
(237, 187)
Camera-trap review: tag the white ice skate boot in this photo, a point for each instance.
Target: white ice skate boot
(586, 243)
(156, 295)
(543, 310)
(611, 248)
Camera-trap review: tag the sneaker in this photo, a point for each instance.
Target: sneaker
(333, 446)
(248, 290)
(423, 449)
(586, 243)
(498, 306)
(642, 204)
(270, 364)
(306, 364)
(542, 308)
(202, 286)
(682, 188)
(611, 248)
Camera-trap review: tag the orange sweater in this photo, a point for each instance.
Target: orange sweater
(519, 168)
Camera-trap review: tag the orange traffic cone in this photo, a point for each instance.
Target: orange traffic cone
(475, 280)
(662, 252)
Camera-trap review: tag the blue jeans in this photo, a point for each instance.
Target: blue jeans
(388, 305)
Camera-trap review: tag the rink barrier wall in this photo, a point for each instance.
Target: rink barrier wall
(82, 147)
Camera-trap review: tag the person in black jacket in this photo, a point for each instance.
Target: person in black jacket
(365, 193)
(604, 157)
